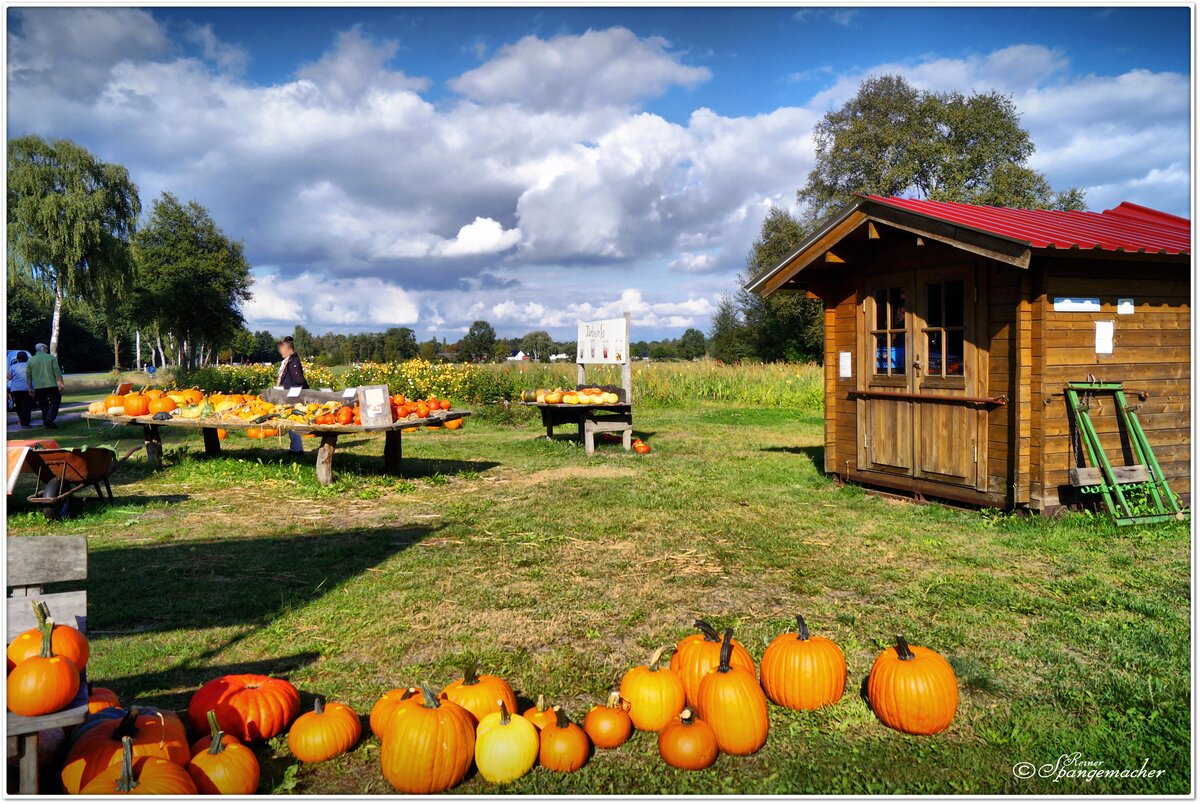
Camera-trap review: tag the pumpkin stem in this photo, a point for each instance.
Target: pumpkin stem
(687, 717)
(218, 737)
(410, 692)
(710, 633)
(656, 657)
(126, 783)
(470, 675)
(431, 697)
(47, 628)
(560, 718)
(903, 651)
(128, 725)
(41, 611)
(541, 704)
(614, 700)
(726, 651)
(505, 717)
(801, 628)
(319, 705)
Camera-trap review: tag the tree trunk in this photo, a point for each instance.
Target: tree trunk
(116, 342)
(56, 319)
(137, 348)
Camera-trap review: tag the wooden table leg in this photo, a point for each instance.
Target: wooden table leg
(28, 753)
(391, 452)
(325, 458)
(153, 440)
(548, 421)
(212, 442)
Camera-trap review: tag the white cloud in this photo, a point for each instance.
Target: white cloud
(357, 68)
(228, 58)
(689, 263)
(483, 236)
(612, 67)
(320, 303)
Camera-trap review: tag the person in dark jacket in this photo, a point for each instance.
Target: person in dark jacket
(291, 375)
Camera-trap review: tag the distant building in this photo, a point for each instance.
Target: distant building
(517, 356)
(560, 356)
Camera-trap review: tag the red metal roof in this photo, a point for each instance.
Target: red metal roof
(1127, 227)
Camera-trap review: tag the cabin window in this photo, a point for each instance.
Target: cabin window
(888, 330)
(944, 314)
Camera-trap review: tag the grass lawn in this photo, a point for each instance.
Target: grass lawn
(559, 572)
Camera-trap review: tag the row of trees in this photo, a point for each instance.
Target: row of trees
(177, 283)
(889, 139)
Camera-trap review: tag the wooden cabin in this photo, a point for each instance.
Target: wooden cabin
(951, 330)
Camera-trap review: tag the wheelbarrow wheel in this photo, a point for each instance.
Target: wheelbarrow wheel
(60, 509)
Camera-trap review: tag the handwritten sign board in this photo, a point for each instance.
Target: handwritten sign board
(603, 342)
(375, 407)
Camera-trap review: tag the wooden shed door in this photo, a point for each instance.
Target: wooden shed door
(919, 355)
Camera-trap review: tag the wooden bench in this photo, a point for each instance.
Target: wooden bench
(34, 561)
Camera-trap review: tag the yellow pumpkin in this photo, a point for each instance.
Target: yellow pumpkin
(506, 746)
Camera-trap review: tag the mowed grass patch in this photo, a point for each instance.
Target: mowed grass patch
(561, 571)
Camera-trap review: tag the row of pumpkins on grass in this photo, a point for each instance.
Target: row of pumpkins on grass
(709, 699)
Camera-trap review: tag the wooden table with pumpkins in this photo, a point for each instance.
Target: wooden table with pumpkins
(334, 417)
(594, 409)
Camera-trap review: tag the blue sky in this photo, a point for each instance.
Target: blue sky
(429, 166)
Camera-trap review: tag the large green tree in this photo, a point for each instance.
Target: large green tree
(538, 345)
(727, 341)
(479, 343)
(70, 219)
(192, 280)
(784, 326)
(892, 139)
(692, 344)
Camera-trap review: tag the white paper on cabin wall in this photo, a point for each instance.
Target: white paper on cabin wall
(1104, 337)
(845, 366)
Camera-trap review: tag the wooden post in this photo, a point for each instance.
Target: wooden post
(27, 749)
(153, 440)
(325, 458)
(212, 442)
(391, 452)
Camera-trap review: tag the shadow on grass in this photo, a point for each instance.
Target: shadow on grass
(815, 454)
(410, 468)
(183, 680)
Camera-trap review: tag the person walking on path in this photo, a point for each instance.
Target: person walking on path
(18, 388)
(46, 380)
(291, 375)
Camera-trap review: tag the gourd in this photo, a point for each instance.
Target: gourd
(802, 671)
(144, 776)
(44, 683)
(97, 743)
(480, 694)
(248, 706)
(696, 655)
(913, 689)
(388, 703)
(609, 725)
(731, 701)
(564, 746)
(329, 730)
(221, 765)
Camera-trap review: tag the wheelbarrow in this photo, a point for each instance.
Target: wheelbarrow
(62, 473)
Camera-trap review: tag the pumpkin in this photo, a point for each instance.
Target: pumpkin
(44, 683)
(194, 396)
(153, 393)
(97, 408)
(428, 748)
(261, 432)
(221, 765)
(329, 730)
(145, 776)
(540, 715)
(388, 703)
(65, 641)
(506, 746)
(802, 671)
(688, 743)
(97, 744)
(136, 404)
(655, 694)
(696, 655)
(101, 698)
(455, 424)
(608, 726)
(529, 396)
(248, 706)
(565, 746)
(913, 689)
(732, 702)
(479, 694)
(163, 404)
(114, 401)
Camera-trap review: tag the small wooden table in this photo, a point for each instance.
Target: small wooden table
(328, 432)
(591, 419)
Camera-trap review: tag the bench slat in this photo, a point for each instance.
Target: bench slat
(67, 608)
(38, 560)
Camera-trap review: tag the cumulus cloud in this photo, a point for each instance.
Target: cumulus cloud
(612, 67)
(539, 186)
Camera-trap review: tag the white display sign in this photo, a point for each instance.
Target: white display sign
(1066, 304)
(845, 365)
(1125, 307)
(602, 342)
(1104, 337)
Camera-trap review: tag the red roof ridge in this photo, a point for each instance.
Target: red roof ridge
(1128, 209)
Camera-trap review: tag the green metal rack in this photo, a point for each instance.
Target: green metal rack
(1133, 494)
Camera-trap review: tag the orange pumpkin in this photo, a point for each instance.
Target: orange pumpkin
(97, 408)
(136, 404)
(732, 702)
(913, 689)
(564, 746)
(261, 432)
(153, 393)
(248, 705)
(144, 776)
(65, 641)
(44, 683)
(114, 401)
(97, 744)
(655, 694)
(428, 748)
(688, 743)
(163, 404)
(101, 698)
(540, 715)
(194, 396)
(454, 424)
(608, 726)
(480, 694)
(386, 706)
(696, 655)
(802, 671)
(329, 730)
(221, 765)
